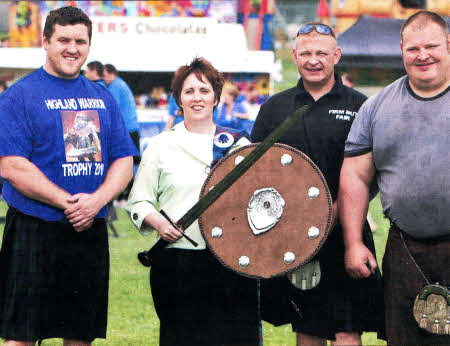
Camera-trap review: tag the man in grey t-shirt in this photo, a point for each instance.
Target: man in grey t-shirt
(400, 137)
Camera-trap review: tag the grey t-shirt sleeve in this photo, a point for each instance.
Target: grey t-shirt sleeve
(359, 140)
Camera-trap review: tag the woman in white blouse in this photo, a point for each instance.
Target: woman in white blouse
(198, 301)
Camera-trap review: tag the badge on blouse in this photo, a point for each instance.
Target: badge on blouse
(223, 140)
(432, 309)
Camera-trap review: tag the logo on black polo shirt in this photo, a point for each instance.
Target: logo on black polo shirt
(342, 114)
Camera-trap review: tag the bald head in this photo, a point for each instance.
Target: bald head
(325, 41)
(315, 55)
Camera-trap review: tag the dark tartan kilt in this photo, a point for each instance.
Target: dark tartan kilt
(53, 280)
(337, 304)
(403, 281)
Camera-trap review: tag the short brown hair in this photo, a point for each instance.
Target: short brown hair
(425, 17)
(66, 16)
(111, 69)
(97, 66)
(199, 67)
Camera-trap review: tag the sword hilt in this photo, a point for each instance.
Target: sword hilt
(163, 213)
(146, 257)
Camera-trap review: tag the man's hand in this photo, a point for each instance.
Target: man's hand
(359, 261)
(82, 210)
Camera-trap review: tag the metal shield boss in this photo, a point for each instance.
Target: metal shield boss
(273, 219)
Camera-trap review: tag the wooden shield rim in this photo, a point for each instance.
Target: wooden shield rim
(327, 192)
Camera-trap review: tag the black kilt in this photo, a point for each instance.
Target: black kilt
(53, 280)
(337, 304)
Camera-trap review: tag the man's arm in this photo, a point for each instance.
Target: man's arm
(28, 179)
(353, 199)
(86, 206)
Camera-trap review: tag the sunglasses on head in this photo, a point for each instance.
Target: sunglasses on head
(320, 28)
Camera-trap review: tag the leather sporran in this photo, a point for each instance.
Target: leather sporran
(306, 277)
(432, 309)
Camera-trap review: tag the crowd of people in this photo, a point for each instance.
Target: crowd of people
(54, 259)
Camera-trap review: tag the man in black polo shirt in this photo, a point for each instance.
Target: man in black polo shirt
(338, 307)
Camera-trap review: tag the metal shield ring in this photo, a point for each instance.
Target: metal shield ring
(290, 240)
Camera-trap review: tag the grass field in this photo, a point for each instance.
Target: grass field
(132, 319)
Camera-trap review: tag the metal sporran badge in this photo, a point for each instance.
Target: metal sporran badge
(432, 309)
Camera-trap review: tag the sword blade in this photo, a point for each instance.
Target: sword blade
(205, 202)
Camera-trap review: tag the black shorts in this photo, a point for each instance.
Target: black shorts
(53, 280)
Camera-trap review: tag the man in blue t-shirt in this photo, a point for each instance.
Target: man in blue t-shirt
(94, 72)
(127, 104)
(125, 99)
(64, 153)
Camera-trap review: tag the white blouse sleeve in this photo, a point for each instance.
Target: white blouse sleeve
(143, 198)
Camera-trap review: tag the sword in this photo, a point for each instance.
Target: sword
(145, 257)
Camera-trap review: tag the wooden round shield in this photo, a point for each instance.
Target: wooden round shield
(273, 219)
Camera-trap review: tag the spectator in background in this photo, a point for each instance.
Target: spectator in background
(5, 42)
(233, 113)
(2, 89)
(175, 116)
(94, 72)
(162, 99)
(152, 98)
(347, 79)
(127, 104)
(252, 95)
(3, 86)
